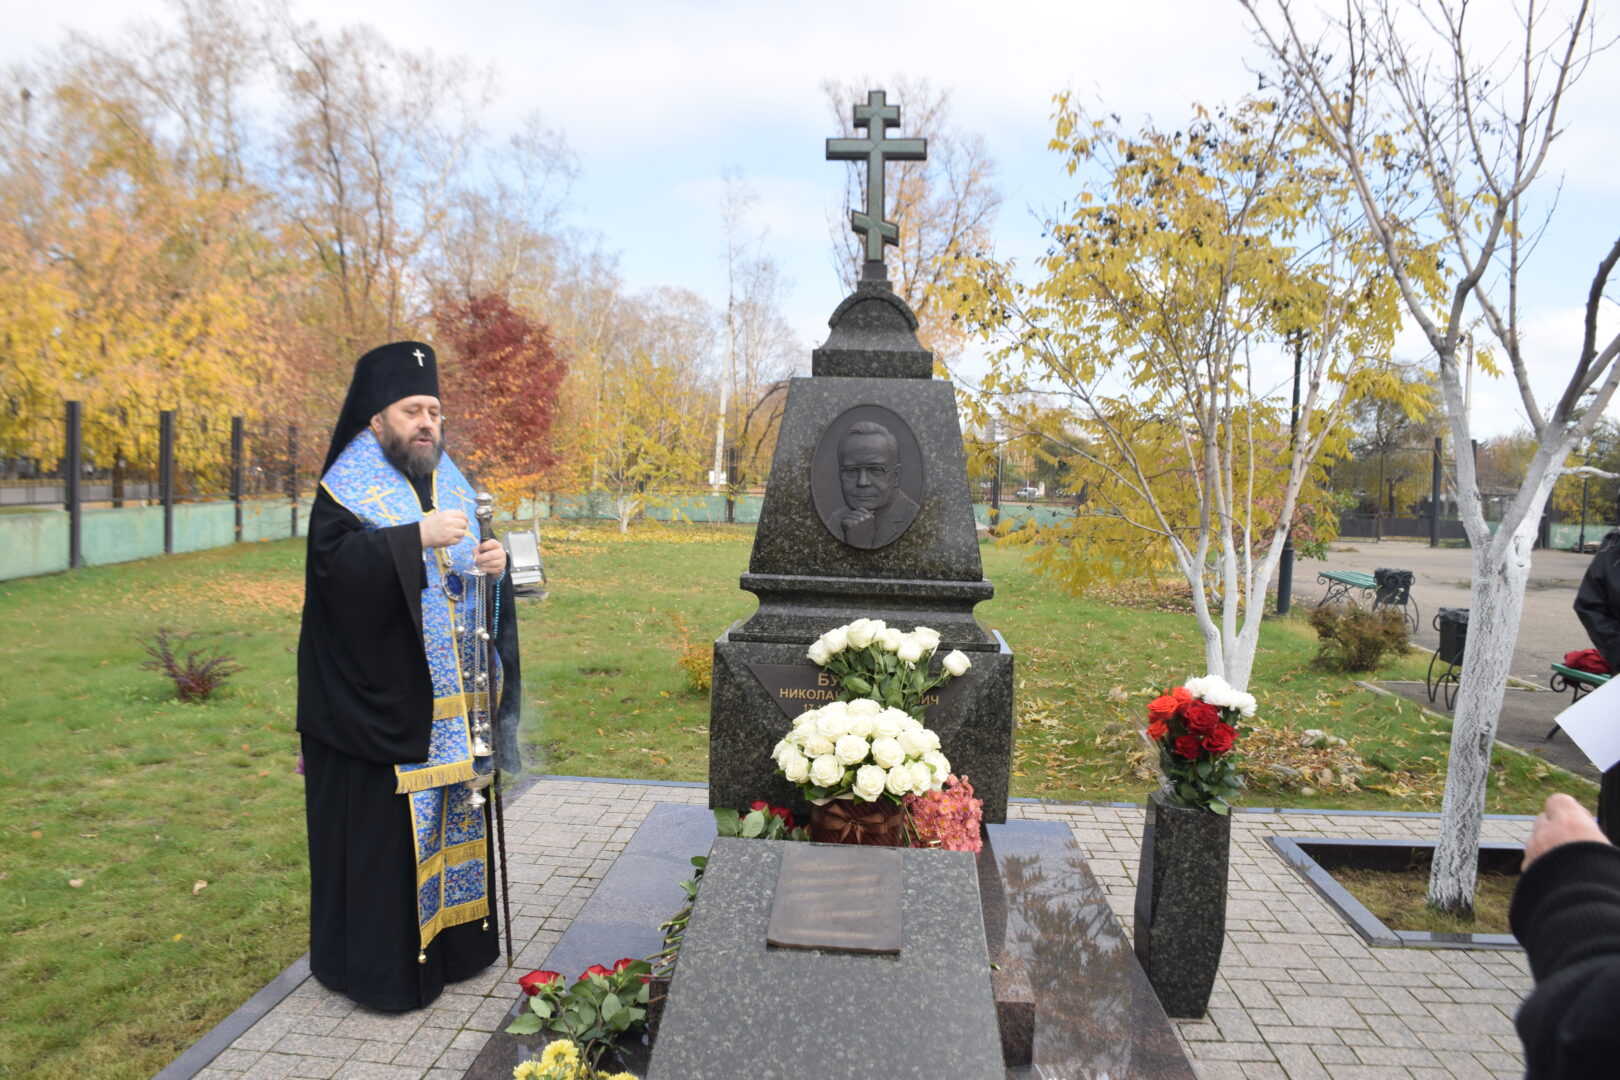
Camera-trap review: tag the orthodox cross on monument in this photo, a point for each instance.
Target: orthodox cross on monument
(876, 116)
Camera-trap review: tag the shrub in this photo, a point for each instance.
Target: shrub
(195, 676)
(697, 660)
(1357, 640)
(698, 663)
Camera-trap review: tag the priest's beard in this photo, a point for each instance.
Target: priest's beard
(416, 462)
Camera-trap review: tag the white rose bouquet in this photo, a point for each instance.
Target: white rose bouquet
(880, 663)
(862, 749)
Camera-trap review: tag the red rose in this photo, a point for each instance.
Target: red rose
(1158, 730)
(1189, 746)
(1181, 694)
(760, 804)
(1220, 740)
(1200, 717)
(595, 969)
(1162, 708)
(620, 965)
(535, 981)
(785, 814)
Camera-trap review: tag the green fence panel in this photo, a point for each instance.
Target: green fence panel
(1567, 537)
(115, 536)
(204, 525)
(33, 543)
(272, 520)
(1017, 513)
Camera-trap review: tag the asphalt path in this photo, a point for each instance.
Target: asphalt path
(1547, 630)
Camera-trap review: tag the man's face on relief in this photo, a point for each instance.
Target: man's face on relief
(869, 471)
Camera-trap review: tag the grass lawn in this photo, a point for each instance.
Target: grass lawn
(118, 800)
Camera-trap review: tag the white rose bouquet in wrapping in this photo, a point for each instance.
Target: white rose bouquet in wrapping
(862, 749)
(883, 664)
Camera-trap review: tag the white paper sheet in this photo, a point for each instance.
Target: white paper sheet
(1593, 723)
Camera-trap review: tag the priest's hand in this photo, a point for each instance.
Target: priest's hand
(443, 528)
(491, 558)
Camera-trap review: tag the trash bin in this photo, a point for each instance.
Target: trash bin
(1394, 586)
(1453, 626)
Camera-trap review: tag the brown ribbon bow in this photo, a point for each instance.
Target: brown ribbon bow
(844, 821)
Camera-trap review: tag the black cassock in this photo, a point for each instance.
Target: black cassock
(1597, 605)
(365, 704)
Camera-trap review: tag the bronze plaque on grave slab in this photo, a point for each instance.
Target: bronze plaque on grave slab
(837, 898)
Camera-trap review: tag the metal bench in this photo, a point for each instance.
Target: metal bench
(1579, 683)
(1387, 588)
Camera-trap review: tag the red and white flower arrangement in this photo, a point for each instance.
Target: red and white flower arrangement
(1195, 727)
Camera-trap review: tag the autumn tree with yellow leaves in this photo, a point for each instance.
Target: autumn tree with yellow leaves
(1147, 353)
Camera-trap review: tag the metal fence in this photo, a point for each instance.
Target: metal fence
(85, 462)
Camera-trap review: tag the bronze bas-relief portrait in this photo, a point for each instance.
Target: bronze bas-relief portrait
(867, 477)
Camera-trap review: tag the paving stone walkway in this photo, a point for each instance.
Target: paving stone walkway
(1299, 996)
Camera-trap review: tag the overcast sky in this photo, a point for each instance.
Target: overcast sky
(659, 97)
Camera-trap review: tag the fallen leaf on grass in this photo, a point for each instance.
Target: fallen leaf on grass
(36, 834)
(177, 937)
(198, 887)
(74, 883)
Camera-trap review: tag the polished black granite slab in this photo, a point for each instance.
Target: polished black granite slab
(740, 1007)
(1096, 1016)
(1046, 921)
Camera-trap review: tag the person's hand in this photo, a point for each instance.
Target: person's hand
(860, 525)
(443, 529)
(490, 558)
(1561, 821)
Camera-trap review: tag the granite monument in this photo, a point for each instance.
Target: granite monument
(867, 513)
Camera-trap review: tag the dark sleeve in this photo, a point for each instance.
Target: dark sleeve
(508, 756)
(1595, 605)
(363, 682)
(1566, 913)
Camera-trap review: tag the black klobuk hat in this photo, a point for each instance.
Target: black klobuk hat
(386, 374)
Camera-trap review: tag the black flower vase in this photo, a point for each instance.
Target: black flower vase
(1181, 902)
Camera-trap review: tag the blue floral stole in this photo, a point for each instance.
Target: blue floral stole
(451, 848)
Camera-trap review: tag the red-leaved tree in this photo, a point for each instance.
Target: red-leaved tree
(501, 392)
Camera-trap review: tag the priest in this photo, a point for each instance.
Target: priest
(400, 846)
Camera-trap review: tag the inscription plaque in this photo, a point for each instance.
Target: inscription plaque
(837, 898)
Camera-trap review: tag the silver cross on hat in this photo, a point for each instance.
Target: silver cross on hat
(419, 357)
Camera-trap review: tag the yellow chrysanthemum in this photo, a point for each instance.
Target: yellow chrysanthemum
(528, 1070)
(561, 1052)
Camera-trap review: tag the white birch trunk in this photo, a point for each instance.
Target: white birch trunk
(624, 508)
(1496, 601)
(1496, 604)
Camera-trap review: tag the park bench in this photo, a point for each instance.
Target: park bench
(1579, 683)
(1387, 587)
